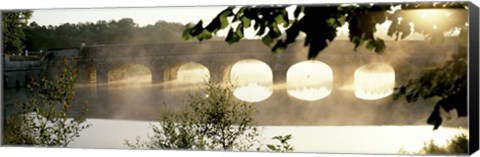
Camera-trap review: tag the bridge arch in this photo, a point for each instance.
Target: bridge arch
(185, 76)
(130, 73)
(374, 81)
(253, 79)
(307, 84)
(187, 72)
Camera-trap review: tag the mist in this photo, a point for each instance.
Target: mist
(341, 107)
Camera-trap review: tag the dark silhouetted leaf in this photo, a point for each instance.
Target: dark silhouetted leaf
(434, 118)
(232, 37)
(297, 11)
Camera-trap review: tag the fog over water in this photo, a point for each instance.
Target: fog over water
(326, 116)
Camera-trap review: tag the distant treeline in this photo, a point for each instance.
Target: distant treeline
(121, 32)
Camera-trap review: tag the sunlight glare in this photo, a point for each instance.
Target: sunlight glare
(254, 80)
(309, 80)
(252, 92)
(374, 81)
(430, 17)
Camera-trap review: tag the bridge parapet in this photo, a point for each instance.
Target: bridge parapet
(218, 56)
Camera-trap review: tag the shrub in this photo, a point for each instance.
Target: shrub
(212, 119)
(43, 119)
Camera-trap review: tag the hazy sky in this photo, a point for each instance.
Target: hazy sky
(141, 16)
(149, 15)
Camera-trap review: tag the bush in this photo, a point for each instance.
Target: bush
(212, 119)
(43, 119)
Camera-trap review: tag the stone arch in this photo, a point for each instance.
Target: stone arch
(253, 79)
(306, 84)
(183, 78)
(178, 71)
(129, 73)
(374, 81)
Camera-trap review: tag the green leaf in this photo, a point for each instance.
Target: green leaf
(197, 29)
(331, 21)
(289, 136)
(342, 20)
(205, 35)
(239, 31)
(223, 22)
(279, 19)
(186, 34)
(267, 40)
(246, 22)
(271, 147)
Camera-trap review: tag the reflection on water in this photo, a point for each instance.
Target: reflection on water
(252, 92)
(374, 81)
(132, 80)
(137, 98)
(310, 93)
(326, 139)
(254, 79)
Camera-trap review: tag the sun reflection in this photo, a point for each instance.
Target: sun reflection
(374, 81)
(309, 80)
(252, 92)
(254, 80)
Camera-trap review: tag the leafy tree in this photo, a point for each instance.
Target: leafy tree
(211, 120)
(12, 27)
(43, 120)
(122, 32)
(320, 23)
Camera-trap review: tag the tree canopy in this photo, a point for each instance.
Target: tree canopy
(12, 27)
(123, 31)
(320, 24)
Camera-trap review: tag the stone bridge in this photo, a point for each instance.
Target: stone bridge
(341, 107)
(164, 59)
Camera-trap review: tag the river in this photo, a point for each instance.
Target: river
(117, 113)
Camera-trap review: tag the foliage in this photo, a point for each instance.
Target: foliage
(448, 82)
(211, 120)
(284, 146)
(43, 119)
(12, 27)
(123, 31)
(456, 145)
(320, 24)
